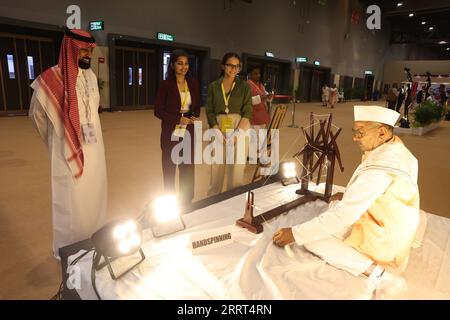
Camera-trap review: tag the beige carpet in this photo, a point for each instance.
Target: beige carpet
(27, 268)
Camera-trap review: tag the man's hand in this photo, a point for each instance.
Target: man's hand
(337, 196)
(283, 237)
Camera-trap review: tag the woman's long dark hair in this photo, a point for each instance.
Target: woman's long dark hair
(254, 67)
(173, 58)
(227, 56)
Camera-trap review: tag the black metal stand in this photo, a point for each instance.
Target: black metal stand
(293, 125)
(98, 266)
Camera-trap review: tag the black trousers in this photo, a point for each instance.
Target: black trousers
(399, 105)
(391, 104)
(186, 171)
(186, 177)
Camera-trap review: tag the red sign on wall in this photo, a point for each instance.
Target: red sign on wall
(101, 60)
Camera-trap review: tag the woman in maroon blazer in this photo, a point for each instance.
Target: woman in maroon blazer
(177, 104)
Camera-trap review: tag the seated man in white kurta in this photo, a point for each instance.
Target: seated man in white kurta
(64, 110)
(373, 227)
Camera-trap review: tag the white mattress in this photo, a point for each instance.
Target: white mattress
(251, 267)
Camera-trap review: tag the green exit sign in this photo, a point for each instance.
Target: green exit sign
(165, 36)
(301, 59)
(96, 25)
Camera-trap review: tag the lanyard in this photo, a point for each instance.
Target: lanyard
(186, 91)
(86, 96)
(226, 99)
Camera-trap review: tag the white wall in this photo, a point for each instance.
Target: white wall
(304, 29)
(410, 52)
(349, 49)
(102, 72)
(394, 69)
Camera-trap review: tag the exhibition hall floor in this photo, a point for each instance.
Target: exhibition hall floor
(27, 267)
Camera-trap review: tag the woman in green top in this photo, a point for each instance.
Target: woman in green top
(229, 109)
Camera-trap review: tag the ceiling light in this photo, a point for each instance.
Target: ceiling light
(399, 4)
(442, 42)
(430, 28)
(448, 49)
(423, 22)
(411, 15)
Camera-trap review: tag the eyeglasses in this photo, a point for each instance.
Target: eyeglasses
(361, 134)
(233, 66)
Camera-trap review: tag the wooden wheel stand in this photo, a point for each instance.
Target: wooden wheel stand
(324, 146)
(275, 124)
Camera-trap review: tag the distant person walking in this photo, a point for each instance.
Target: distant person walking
(392, 97)
(325, 95)
(333, 95)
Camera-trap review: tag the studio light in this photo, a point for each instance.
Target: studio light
(289, 173)
(117, 239)
(399, 4)
(442, 42)
(166, 209)
(424, 22)
(430, 28)
(411, 15)
(164, 216)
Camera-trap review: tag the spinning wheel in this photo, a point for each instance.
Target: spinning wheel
(320, 151)
(323, 146)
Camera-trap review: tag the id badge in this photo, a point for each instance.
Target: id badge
(179, 131)
(89, 133)
(227, 124)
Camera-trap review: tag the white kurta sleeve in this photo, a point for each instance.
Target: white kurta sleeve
(256, 99)
(39, 117)
(358, 197)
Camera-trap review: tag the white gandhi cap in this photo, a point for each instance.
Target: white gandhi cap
(376, 114)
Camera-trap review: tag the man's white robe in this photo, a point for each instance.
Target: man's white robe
(377, 219)
(78, 205)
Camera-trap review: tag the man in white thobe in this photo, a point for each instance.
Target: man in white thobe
(373, 227)
(64, 109)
